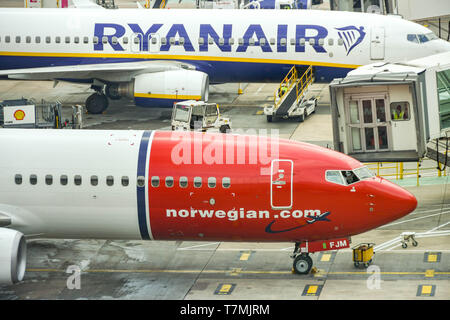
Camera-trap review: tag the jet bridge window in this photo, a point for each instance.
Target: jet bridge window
(18, 178)
(400, 111)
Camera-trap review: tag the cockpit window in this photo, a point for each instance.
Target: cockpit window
(363, 173)
(421, 38)
(348, 177)
(335, 177)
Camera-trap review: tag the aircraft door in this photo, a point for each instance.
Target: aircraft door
(281, 184)
(377, 43)
(154, 41)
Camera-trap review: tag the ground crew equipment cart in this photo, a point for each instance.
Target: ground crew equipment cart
(363, 254)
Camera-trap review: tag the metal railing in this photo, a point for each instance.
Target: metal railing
(292, 80)
(397, 170)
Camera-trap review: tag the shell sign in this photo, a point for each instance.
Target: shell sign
(19, 115)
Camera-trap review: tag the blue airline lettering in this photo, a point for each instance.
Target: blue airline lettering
(144, 36)
(178, 31)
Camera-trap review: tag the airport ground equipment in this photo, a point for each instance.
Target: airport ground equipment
(408, 236)
(199, 116)
(363, 254)
(24, 113)
(393, 111)
(290, 98)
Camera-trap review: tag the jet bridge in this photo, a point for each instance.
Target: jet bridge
(393, 111)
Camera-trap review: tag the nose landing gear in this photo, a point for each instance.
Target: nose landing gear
(302, 261)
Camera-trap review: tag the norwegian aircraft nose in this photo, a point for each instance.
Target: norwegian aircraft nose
(400, 202)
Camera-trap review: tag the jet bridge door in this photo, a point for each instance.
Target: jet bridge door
(377, 43)
(281, 184)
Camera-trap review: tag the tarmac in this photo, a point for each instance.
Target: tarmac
(229, 270)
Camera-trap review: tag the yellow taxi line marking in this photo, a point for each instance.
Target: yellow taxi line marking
(429, 273)
(227, 271)
(326, 257)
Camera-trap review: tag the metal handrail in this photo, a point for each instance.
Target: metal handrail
(291, 80)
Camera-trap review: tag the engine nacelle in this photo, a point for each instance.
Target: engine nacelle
(13, 256)
(162, 89)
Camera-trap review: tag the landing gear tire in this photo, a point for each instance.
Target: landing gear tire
(302, 264)
(96, 103)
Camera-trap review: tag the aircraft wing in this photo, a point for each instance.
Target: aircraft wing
(109, 72)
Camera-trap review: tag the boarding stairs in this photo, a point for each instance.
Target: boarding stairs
(297, 87)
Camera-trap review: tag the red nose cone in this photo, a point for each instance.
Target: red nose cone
(402, 202)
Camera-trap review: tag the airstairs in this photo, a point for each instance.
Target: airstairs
(290, 98)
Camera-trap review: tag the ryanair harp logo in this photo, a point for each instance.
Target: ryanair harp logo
(351, 36)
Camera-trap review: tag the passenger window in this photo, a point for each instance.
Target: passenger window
(67, 40)
(172, 40)
(210, 41)
(231, 41)
(95, 40)
(312, 41)
(33, 179)
(183, 182)
(400, 111)
(272, 41)
(110, 181)
(169, 182)
(302, 41)
(76, 40)
(163, 41)
(240, 41)
(48, 39)
(57, 39)
(211, 182)
(141, 181)
(28, 39)
(181, 41)
(48, 179)
(18, 178)
(125, 181)
(283, 42)
(226, 182)
(125, 40)
(335, 177)
(321, 42)
(77, 180)
(18, 39)
(330, 41)
(155, 181)
(104, 40)
(7, 39)
(94, 180)
(340, 42)
(37, 39)
(221, 41)
(292, 42)
(197, 182)
(63, 180)
(114, 40)
(86, 40)
(201, 40)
